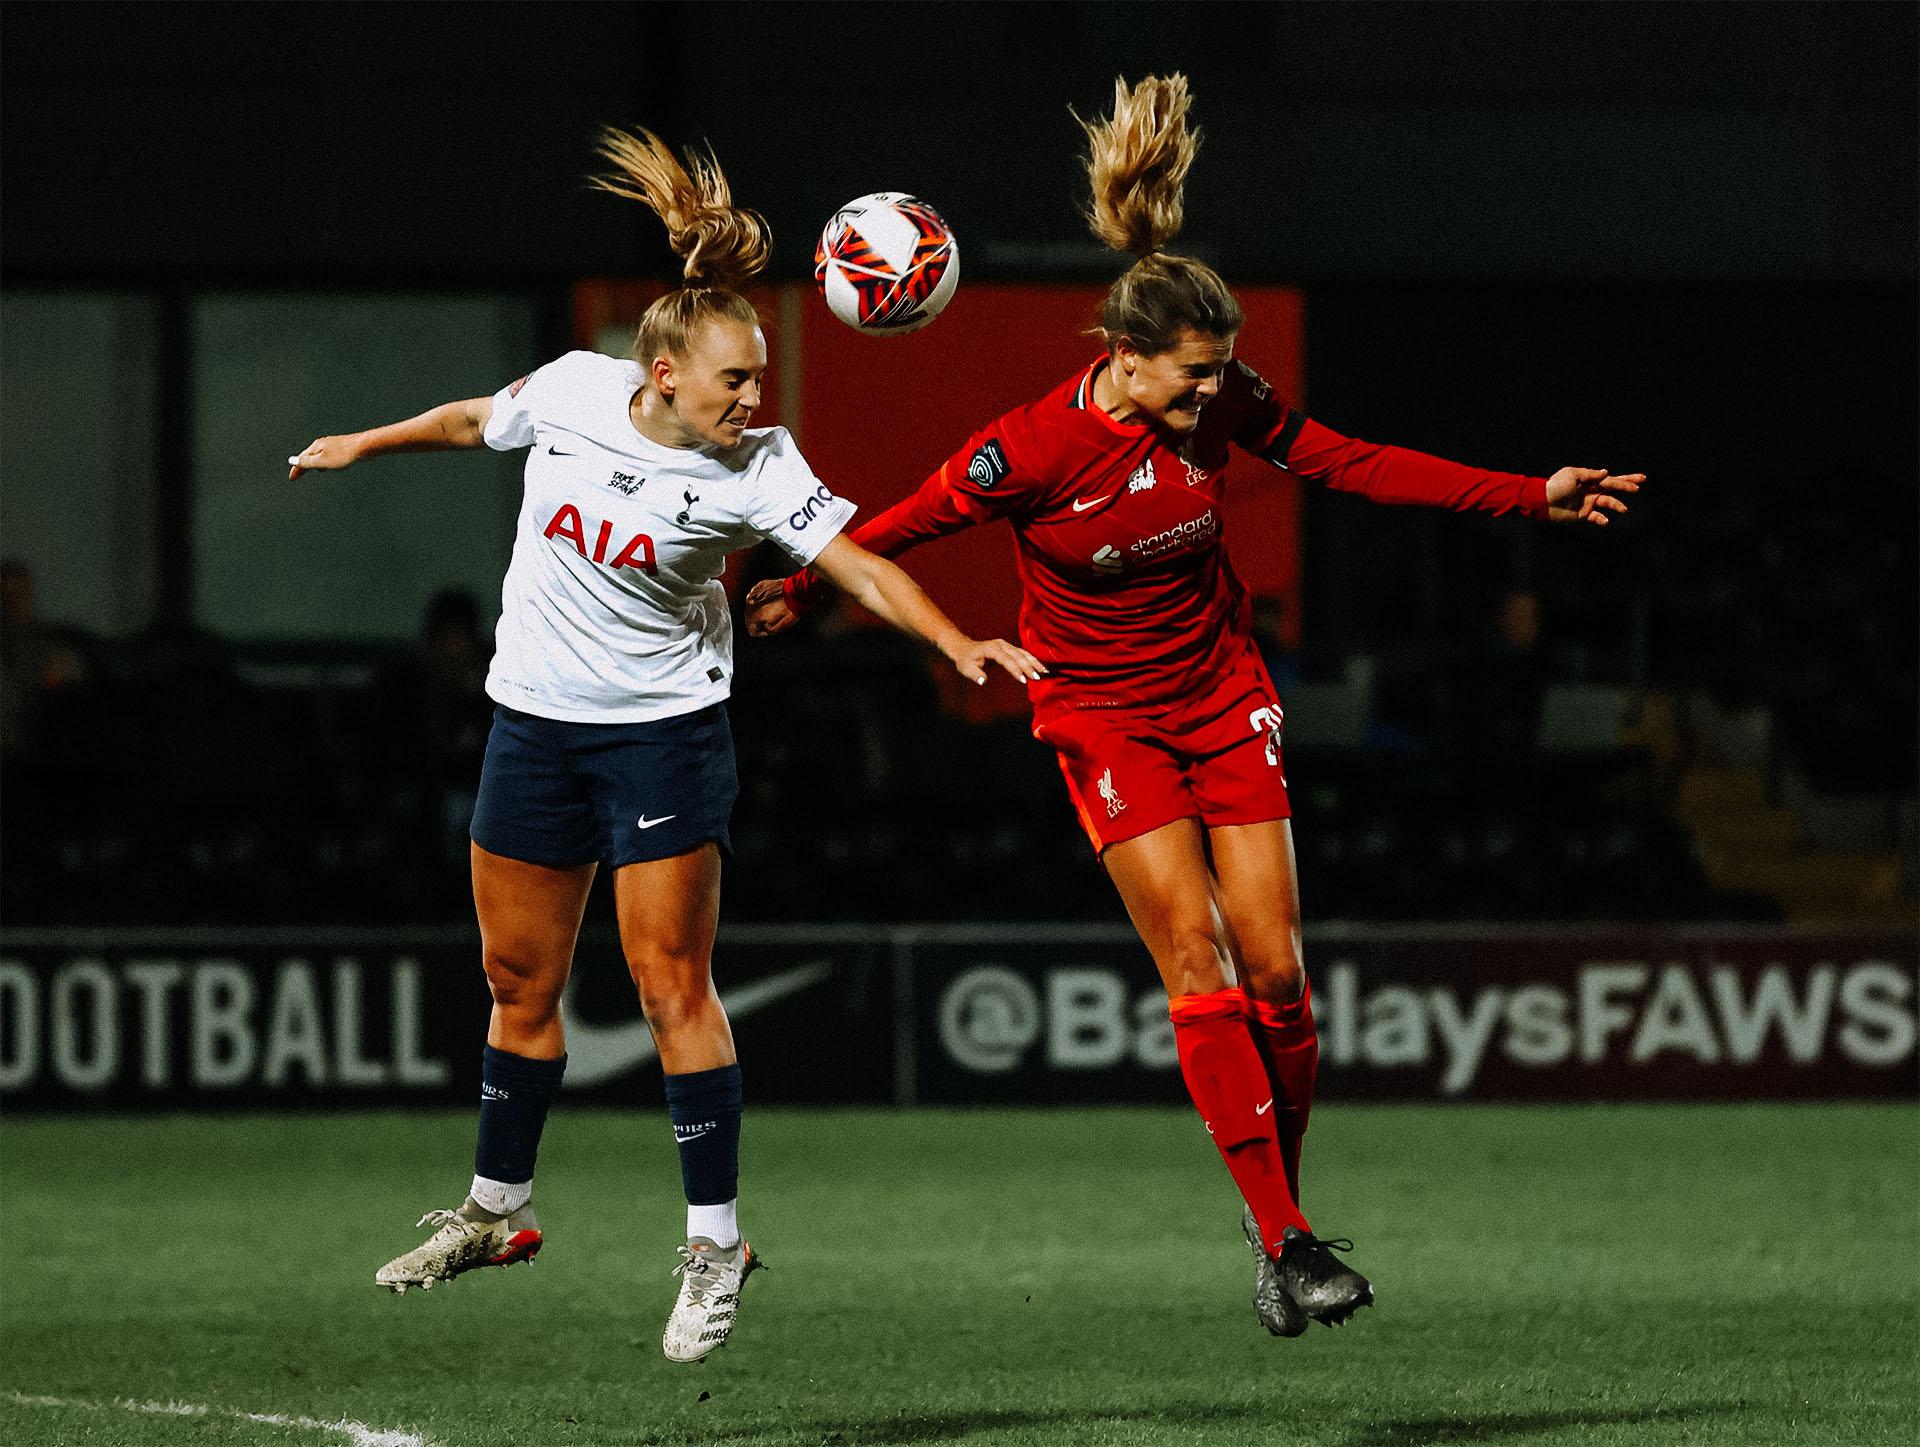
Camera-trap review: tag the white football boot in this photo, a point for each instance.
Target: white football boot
(466, 1238)
(710, 1280)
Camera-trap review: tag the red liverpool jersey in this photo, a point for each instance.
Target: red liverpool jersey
(1128, 595)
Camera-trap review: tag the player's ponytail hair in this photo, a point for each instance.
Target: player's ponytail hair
(1137, 164)
(722, 246)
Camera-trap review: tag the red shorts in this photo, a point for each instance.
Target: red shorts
(1216, 758)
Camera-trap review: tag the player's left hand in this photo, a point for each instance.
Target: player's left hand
(767, 612)
(1589, 494)
(971, 657)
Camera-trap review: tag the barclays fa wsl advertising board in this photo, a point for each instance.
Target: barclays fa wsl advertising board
(325, 1018)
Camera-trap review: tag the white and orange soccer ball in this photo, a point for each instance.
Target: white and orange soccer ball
(887, 263)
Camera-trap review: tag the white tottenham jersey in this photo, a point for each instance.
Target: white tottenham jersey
(612, 609)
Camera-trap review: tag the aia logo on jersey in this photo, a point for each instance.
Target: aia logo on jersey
(1109, 560)
(987, 465)
(1142, 478)
(638, 553)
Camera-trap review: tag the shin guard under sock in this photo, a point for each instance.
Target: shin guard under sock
(1290, 1046)
(704, 1106)
(516, 1092)
(1228, 1082)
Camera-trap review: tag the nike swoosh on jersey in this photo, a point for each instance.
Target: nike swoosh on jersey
(645, 823)
(1263, 1109)
(597, 1053)
(1079, 506)
(553, 451)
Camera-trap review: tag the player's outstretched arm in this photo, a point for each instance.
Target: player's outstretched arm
(454, 425)
(1589, 494)
(882, 588)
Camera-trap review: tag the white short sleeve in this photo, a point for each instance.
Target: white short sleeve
(511, 424)
(792, 506)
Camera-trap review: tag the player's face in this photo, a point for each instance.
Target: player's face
(716, 383)
(1169, 388)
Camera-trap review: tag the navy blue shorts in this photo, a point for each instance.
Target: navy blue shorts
(563, 794)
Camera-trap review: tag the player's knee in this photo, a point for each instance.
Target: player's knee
(1274, 968)
(674, 994)
(1192, 963)
(522, 985)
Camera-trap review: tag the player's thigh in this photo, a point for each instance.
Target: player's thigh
(1163, 881)
(529, 920)
(1258, 887)
(669, 913)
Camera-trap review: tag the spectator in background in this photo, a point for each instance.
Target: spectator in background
(456, 712)
(1515, 671)
(1503, 685)
(1269, 636)
(36, 658)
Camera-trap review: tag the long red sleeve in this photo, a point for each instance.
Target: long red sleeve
(1403, 476)
(932, 512)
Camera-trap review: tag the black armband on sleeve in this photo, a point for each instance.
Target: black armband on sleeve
(1282, 443)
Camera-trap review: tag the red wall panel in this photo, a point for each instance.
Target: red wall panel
(875, 415)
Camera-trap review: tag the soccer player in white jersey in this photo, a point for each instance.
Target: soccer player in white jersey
(610, 742)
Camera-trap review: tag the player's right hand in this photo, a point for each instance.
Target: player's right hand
(972, 656)
(767, 610)
(323, 454)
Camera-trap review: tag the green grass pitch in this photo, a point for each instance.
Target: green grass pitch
(1545, 1275)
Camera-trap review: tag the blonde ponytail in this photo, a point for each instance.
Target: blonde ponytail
(1137, 164)
(721, 244)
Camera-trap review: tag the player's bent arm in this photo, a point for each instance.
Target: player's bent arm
(445, 428)
(883, 589)
(932, 511)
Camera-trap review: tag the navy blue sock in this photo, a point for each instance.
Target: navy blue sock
(705, 1109)
(515, 1092)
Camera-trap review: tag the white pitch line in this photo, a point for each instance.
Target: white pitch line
(358, 1434)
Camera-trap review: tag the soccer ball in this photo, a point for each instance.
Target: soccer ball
(887, 263)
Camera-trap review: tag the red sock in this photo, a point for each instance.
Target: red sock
(1229, 1086)
(1290, 1046)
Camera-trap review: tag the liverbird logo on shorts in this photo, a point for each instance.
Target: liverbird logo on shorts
(1111, 795)
(1271, 722)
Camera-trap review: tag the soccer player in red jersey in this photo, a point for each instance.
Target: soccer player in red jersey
(1166, 724)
